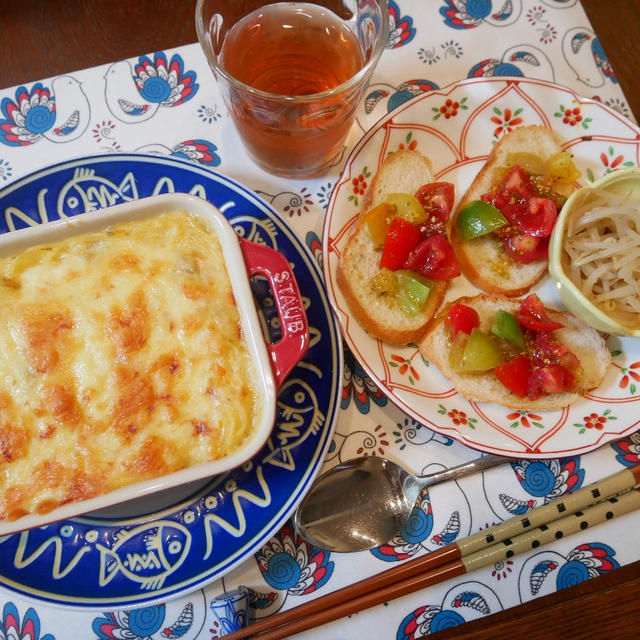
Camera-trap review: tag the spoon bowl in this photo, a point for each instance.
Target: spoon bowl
(365, 502)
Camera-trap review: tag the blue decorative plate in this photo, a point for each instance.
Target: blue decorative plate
(170, 543)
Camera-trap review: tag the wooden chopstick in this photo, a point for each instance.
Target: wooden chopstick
(516, 535)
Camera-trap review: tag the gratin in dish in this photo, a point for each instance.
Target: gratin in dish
(122, 359)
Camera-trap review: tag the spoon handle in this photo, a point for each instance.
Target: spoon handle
(485, 462)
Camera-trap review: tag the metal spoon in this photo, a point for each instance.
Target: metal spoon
(365, 502)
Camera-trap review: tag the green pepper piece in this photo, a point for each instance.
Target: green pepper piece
(412, 291)
(477, 219)
(480, 353)
(505, 326)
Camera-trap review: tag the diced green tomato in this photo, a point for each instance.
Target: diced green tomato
(401, 237)
(461, 317)
(407, 207)
(412, 291)
(477, 219)
(456, 351)
(480, 353)
(383, 283)
(514, 375)
(376, 222)
(505, 326)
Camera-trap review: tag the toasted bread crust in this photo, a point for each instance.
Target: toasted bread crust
(583, 340)
(401, 172)
(404, 171)
(483, 260)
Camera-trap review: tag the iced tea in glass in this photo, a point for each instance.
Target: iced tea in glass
(292, 74)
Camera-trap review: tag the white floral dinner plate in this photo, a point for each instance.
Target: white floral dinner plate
(456, 128)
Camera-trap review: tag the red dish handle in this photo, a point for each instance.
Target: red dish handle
(288, 351)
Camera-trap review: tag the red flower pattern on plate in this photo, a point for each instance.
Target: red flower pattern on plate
(630, 377)
(359, 186)
(595, 421)
(525, 419)
(450, 108)
(404, 367)
(506, 120)
(572, 116)
(409, 142)
(609, 161)
(458, 417)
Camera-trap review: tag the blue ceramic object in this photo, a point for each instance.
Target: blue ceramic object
(175, 541)
(230, 611)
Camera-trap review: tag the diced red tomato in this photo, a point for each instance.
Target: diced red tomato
(552, 378)
(402, 237)
(517, 183)
(434, 258)
(533, 315)
(547, 366)
(525, 249)
(532, 217)
(512, 208)
(461, 317)
(437, 199)
(548, 349)
(432, 227)
(540, 219)
(514, 374)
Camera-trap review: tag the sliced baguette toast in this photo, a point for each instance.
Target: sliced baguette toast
(404, 171)
(584, 341)
(483, 260)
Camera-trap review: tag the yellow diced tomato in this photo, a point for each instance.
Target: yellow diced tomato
(532, 163)
(561, 167)
(376, 222)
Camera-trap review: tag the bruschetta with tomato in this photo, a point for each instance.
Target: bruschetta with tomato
(501, 228)
(515, 352)
(395, 267)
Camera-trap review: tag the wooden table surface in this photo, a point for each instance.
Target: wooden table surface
(43, 38)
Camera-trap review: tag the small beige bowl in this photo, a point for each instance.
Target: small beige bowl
(622, 181)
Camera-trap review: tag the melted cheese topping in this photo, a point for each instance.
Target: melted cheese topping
(121, 359)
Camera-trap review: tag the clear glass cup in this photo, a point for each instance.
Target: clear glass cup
(292, 73)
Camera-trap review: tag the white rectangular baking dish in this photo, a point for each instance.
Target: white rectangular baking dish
(243, 259)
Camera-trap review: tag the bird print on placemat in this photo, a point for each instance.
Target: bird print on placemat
(464, 602)
(586, 57)
(199, 151)
(550, 571)
(135, 94)
(519, 60)
(59, 113)
(468, 14)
